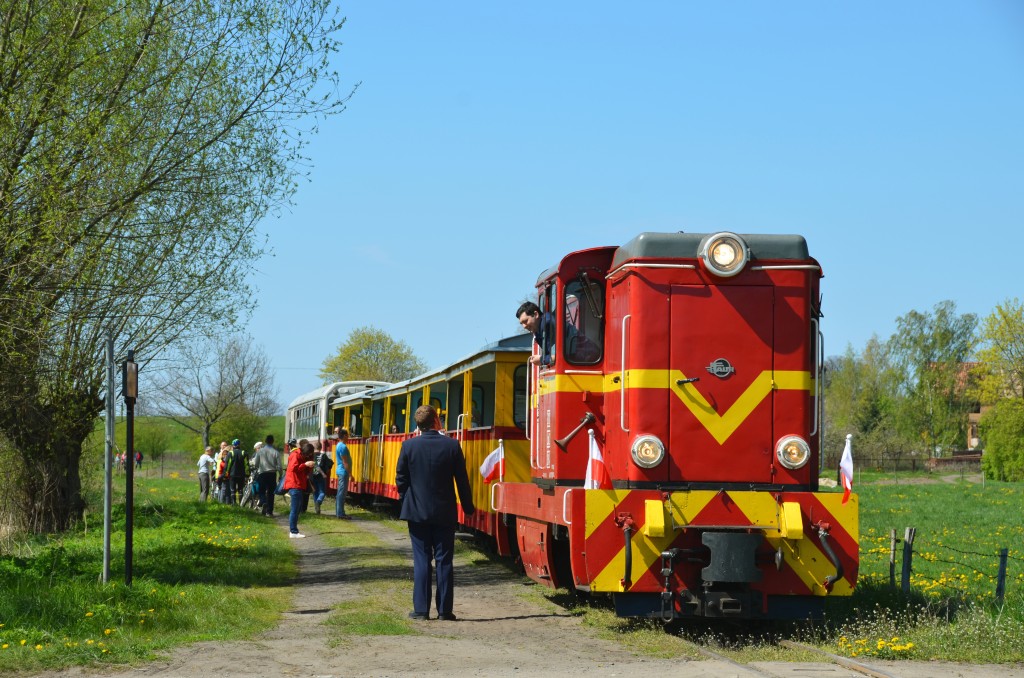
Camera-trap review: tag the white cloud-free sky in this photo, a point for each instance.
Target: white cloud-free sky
(489, 139)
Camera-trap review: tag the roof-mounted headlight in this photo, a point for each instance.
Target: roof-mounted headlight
(647, 451)
(724, 254)
(793, 452)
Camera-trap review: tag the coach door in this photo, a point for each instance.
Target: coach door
(720, 378)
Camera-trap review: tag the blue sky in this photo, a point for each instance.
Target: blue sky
(488, 139)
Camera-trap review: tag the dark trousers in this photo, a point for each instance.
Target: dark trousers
(268, 483)
(433, 547)
(236, 488)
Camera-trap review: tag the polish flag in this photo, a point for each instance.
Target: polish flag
(597, 474)
(494, 464)
(846, 469)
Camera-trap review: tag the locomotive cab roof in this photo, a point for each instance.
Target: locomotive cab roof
(687, 246)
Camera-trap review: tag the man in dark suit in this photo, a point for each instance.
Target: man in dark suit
(427, 465)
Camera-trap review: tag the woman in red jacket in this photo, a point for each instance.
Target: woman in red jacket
(296, 480)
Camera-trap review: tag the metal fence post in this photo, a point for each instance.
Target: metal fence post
(1001, 579)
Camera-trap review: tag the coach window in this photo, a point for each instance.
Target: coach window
(584, 320)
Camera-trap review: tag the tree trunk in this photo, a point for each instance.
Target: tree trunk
(48, 439)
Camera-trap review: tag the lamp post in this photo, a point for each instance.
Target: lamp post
(130, 391)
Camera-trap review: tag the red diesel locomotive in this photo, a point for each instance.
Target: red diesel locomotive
(665, 451)
(688, 366)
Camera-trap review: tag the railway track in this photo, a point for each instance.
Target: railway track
(852, 668)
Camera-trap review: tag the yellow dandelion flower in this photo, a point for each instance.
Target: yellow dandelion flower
(4, 646)
(106, 632)
(89, 641)
(88, 614)
(23, 642)
(39, 647)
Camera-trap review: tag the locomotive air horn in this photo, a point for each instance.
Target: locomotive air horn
(588, 418)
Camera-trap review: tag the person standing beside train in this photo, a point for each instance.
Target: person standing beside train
(343, 469)
(205, 465)
(427, 465)
(267, 462)
(237, 472)
(296, 482)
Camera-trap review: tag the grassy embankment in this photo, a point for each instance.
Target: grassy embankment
(197, 565)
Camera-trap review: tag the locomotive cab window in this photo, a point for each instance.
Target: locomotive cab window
(584, 321)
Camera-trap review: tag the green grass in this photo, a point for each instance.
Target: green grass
(951, 612)
(384, 575)
(200, 572)
(210, 572)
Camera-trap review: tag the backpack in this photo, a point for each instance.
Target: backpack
(325, 463)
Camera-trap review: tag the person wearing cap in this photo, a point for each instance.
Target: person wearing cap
(237, 472)
(296, 480)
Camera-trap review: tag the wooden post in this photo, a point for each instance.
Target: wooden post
(908, 555)
(1001, 579)
(892, 559)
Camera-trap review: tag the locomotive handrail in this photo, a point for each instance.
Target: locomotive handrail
(493, 507)
(583, 372)
(637, 264)
(565, 513)
(380, 448)
(460, 426)
(818, 361)
(622, 387)
(787, 267)
(529, 403)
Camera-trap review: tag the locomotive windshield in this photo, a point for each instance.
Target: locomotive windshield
(584, 321)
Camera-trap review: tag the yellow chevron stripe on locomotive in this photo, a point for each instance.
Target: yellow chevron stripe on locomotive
(720, 426)
(791, 528)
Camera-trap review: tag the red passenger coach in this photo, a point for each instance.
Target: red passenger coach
(688, 366)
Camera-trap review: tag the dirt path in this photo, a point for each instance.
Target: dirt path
(498, 634)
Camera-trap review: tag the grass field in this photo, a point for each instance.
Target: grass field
(199, 565)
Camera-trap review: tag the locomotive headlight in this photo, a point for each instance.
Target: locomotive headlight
(647, 451)
(793, 452)
(725, 254)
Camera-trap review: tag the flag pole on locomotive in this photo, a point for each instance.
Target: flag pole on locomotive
(493, 466)
(846, 469)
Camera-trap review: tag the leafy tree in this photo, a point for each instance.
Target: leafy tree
(859, 400)
(1001, 375)
(220, 379)
(141, 142)
(1002, 429)
(1001, 367)
(929, 352)
(371, 354)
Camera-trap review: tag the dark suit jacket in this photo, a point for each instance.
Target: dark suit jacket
(427, 465)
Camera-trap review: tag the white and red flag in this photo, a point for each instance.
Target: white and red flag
(846, 469)
(494, 464)
(597, 473)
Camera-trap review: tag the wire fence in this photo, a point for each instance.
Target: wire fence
(937, 569)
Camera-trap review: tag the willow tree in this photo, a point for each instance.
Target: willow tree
(141, 141)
